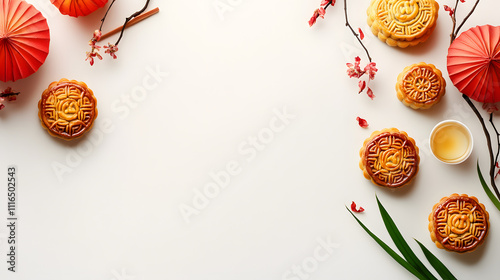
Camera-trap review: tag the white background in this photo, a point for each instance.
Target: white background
(114, 213)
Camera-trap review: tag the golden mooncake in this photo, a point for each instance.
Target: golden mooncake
(458, 223)
(389, 158)
(67, 109)
(420, 86)
(402, 23)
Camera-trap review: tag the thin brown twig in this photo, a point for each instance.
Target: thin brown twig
(130, 18)
(131, 22)
(9, 94)
(466, 18)
(454, 20)
(106, 14)
(488, 142)
(354, 32)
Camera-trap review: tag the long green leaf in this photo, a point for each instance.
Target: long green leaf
(492, 197)
(388, 249)
(441, 269)
(401, 243)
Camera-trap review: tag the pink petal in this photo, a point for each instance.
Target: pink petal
(362, 122)
(353, 208)
(361, 34)
(370, 94)
(362, 85)
(448, 9)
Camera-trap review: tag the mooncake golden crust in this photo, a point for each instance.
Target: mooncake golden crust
(458, 223)
(420, 86)
(67, 109)
(402, 23)
(389, 158)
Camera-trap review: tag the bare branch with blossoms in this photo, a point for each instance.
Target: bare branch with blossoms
(353, 69)
(490, 108)
(453, 13)
(111, 49)
(7, 95)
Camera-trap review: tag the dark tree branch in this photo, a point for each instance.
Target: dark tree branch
(131, 17)
(354, 32)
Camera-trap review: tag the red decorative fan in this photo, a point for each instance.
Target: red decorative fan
(474, 63)
(24, 40)
(76, 8)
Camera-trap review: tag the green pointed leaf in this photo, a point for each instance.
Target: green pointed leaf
(490, 194)
(436, 263)
(401, 243)
(388, 249)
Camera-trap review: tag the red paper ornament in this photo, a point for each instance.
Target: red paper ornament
(76, 8)
(474, 63)
(24, 40)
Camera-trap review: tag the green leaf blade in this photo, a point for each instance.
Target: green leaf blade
(401, 243)
(440, 268)
(487, 190)
(388, 249)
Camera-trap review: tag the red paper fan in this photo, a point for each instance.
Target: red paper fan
(474, 63)
(24, 40)
(76, 8)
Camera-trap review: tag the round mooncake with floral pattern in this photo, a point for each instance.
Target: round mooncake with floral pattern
(389, 158)
(67, 109)
(458, 223)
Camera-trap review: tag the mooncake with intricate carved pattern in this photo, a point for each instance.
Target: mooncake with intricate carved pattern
(389, 158)
(67, 109)
(402, 23)
(459, 223)
(420, 86)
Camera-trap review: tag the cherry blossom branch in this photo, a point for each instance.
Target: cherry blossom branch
(498, 139)
(354, 32)
(9, 95)
(111, 49)
(488, 142)
(106, 14)
(131, 17)
(466, 18)
(493, 157)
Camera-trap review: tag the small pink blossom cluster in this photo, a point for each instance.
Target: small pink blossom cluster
(94, 51)
(321, 11)
(7, 95)
(491, 107)
(355, 71)
(450, 10)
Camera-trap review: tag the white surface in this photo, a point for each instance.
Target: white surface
(116, 214)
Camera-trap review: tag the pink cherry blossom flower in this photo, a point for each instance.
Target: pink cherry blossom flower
(450, 10)
(325, 2)
(312, 21)
(353, 70)
(97, 35)
(371, 70)
(490, 107)
(321, 12)
(111, 49)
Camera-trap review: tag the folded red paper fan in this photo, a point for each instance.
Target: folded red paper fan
(76, 8)
(24, 40)
(474, 63)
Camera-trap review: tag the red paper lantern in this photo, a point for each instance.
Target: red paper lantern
(24, 40)
(474, 63)
(76, 8)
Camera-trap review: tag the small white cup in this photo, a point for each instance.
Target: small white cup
(451, 142)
